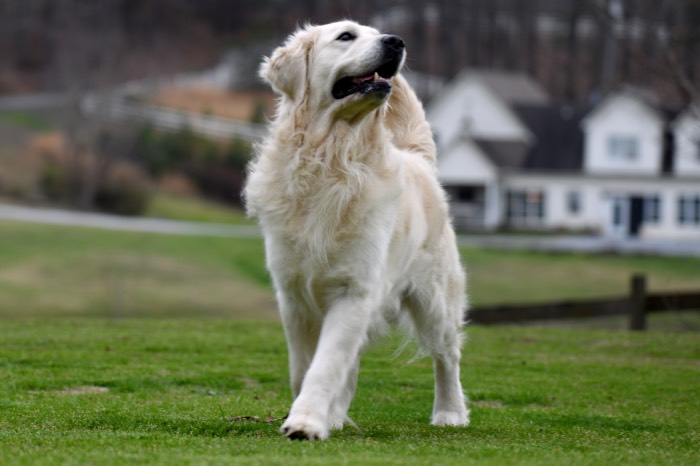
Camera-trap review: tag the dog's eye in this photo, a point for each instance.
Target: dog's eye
(346, 36)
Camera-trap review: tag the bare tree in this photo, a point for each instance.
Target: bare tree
(87, 40)
(661, 52)
(572, 68)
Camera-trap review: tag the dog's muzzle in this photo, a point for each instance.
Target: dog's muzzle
(375, 81)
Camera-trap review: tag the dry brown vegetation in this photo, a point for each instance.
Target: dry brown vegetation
(235, 105)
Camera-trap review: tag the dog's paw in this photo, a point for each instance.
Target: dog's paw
(337, 422)
(451, 418)
(304, 427)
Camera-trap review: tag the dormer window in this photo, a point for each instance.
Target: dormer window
(623, 148)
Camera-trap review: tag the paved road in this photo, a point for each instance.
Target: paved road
(582, 244)
(34, 101)
(115, 222)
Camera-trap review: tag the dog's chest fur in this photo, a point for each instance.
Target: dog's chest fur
(328, 217)
(322, 198)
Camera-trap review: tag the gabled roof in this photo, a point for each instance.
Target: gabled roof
(504, 154)
(559, 143)
(513, 88)
(558, 130)
(648, 98)
(690, 111)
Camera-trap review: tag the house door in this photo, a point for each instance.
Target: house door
(636, 215)
(626, 216)
(620, 216)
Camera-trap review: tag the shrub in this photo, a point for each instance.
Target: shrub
(259, 111)
(125, 191)
(115, 186)
(218, 182)
(237, 154)
(160, 153)
(217, 169)
(54, 182)
(177, 184)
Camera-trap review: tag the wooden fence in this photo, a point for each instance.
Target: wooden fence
(123, 110)
(636, 305)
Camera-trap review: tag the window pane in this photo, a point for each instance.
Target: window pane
(622, 147)
(617, 213)
(681, 210)
(525, 207)
(574, 202)
(689, 210)
(652, 209)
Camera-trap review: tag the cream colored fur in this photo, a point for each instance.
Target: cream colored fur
(357, 234)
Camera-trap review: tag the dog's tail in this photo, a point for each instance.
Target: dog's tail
(406, 120)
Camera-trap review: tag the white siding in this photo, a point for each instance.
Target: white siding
(470, 108)
(556, 189)
(686, 131)
(669, 226)
(623, 116)
(596, 201)
(464, 163)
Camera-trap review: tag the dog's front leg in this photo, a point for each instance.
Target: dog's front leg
(343, 333)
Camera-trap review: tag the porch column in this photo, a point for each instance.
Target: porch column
(493, 210)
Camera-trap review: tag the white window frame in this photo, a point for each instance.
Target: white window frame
(689, 210)
(574, 203)
(526, 207)
(623, 147)
(652, 209)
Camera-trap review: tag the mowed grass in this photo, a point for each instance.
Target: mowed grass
(190, 208)
(497, 277)
(183, 391)
(50, 270)
(60, 271)
(128, 348)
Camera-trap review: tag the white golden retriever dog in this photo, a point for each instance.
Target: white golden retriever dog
(357, 233)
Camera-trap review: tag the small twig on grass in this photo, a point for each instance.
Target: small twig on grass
(268, 419)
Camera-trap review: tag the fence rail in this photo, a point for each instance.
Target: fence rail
(636, 305)
(122, 110)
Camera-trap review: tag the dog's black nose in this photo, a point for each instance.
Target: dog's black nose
(394, 42)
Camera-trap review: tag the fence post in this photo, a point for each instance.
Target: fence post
(637, 302)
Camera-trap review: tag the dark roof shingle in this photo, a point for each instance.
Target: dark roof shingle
(558, 144)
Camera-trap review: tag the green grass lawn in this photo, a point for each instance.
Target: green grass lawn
(194, 209)
(48, 270)
(61, 271)
(137, 391)
(129, 348)
(29, 120)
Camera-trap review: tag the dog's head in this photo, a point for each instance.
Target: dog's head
(342, 67)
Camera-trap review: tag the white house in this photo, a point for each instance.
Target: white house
(686, 135)
(510, 158)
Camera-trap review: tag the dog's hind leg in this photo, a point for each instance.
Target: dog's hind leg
(449, 408)
(437, 321)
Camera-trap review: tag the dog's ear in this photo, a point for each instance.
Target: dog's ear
(286, 69)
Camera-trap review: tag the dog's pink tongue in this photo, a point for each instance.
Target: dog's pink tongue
(364, 79)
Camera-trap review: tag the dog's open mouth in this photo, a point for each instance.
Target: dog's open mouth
(376, 81)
